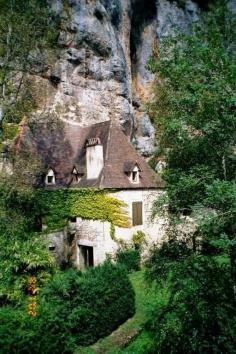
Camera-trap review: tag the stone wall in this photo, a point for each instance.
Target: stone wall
(97, 234)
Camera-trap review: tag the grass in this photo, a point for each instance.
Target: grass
(131, 337)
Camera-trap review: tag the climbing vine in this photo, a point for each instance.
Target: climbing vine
(60, 205)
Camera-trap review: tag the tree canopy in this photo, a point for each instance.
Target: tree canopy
(194, 112)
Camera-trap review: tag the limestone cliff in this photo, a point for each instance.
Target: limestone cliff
(99, 69)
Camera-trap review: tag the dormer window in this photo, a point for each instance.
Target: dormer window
(50, 178)
(132, 170)
(135, 176)
(77, 174)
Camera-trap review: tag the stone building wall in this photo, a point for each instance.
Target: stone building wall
(97, 234)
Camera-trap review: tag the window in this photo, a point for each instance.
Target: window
(134, 176)
(72, 219)
(50, 177)
(51, 247)
(137, 213)
(77, 178)
(76, 175)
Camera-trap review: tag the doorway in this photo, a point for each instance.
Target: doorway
(86, 256)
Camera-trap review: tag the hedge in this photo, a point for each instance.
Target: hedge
(74, 309)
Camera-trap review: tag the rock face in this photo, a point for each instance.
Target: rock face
(99, 71)
(171, 17)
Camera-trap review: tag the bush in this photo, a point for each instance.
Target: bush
(129, 258)
(199, 316)
(139, 239)
(162, 259)
(74, 309)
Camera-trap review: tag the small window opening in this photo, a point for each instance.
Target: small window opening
(72, 219)
(135, 176)
(77, 178)
(50, 179)
(76, 175)
(51, 248)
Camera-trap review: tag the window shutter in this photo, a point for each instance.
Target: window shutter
(137, 213)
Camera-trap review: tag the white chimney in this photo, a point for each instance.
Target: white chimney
(94, 158)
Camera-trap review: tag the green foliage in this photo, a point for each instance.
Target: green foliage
(194, 110)
(27, 29)
(194, 113)
(9, 131)
(23, 253)
(59, 205)
(194, 107)
(129, 258)
(162, 259)
(199, 316)
(75, 309)
(139, 239)
(24, 105)
(23, 249)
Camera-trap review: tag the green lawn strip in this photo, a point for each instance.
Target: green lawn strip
(131, 328)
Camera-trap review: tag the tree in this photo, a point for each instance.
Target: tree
(194, 107)
(194, 112)
(26, 30)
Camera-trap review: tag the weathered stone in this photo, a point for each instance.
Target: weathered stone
(101, 65)
(145, 145)
(56, 6)
(75, 56)
(147, 129)
(171, 17)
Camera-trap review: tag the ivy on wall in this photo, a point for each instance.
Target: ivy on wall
(60, 205)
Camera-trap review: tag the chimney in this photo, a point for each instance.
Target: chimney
(94, 158)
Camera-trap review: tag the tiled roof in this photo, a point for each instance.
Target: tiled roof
(130, 165)
(64, 148)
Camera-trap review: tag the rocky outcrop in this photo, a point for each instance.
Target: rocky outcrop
(171, 17)
(99, 70)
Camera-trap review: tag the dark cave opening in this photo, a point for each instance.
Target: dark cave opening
(143, 12)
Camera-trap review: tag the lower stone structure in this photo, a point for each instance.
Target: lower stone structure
(92, 241)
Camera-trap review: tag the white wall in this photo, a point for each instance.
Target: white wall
(94, 161)
(97, 234)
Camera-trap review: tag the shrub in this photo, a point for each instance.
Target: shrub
(129, 258)
(139, 239)
(74, 309)
(163, 259)
(199, 316)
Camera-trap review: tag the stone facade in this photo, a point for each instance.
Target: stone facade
(97, 234)
(94, 236)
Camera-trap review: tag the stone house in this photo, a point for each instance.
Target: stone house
(99, 156)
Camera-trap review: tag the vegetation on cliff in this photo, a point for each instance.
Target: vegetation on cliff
(27, 31)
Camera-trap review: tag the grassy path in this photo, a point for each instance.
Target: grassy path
(129, 338)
